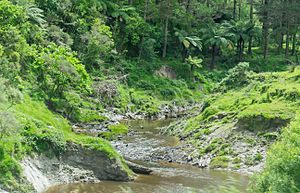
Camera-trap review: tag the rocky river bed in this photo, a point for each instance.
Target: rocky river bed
(163, 163)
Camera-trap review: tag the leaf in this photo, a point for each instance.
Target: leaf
(186, 43)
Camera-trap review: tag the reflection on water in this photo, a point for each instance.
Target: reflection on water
(167, 177)
(149, 130)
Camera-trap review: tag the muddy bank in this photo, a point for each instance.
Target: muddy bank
(76, 165)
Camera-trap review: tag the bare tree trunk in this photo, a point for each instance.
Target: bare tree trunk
(287, 40)
(143, 38)
(165, 38)
(240, 9)
(280, 42)
(241, 48)
(130, 2)
(294, 44)
(234, 9)
(251, 21)
(213, 57)
(266, 29)
(297, 55)
(287, 44)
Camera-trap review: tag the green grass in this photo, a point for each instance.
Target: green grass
(220, 162)
(115, 130)
(44, 132)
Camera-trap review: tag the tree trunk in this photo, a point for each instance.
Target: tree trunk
(130, 2)
(240, 9)
(234, 9)
(287, 44)
(213, 57)
(294, 44)
(297, 55)
(266, 29)
(143, 38)
(251, 21)
(281, 35)
(241, 49)
(165, 37)
(287, 41)
(280, 43)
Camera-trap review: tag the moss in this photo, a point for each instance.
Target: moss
(43, 130)
(90, 116)
(250, 161)
(270, 136)
(220, 162)
(258, 157)
(249, 140)
(237, 166)
(115, 130)
(236, 160)
(268, 111)
(265, 116)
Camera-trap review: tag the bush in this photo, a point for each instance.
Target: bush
(236, 77)
(281, 173)
(57, 70)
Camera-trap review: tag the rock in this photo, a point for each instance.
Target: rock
(103, 167)
(166, 72)
(3, 191)
(138, 168)
(77, 164)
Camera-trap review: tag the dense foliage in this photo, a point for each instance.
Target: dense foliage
(80, 58)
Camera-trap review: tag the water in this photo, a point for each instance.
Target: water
(167, 177)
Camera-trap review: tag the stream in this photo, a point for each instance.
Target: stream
(145, 146)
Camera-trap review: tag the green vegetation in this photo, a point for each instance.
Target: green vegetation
(42, 131)
(282, 164)
(115, 130)
(74, 61)
(220, 162)
(261, 106)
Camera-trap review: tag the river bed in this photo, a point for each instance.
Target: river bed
(145, 146)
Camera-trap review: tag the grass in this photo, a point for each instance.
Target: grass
(43, 131)
(220, 162)
(269, 102)
(115, 130)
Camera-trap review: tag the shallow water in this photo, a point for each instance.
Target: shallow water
(167, 177)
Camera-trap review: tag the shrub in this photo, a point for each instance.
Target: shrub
(57, 70)
(236, 77)
(281, 173)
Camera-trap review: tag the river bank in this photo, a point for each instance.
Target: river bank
(145, 146)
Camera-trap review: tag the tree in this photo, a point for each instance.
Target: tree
(242, 31)
(99, 44)
(265, 28)
(57, 70)
(216, 37)
(166, 9)
(194, 62)
(251, 22)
